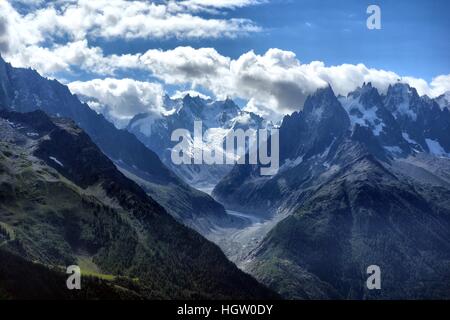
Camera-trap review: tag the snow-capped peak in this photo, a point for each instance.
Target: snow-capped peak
(399, 100)
(444, 100)
(362, 108)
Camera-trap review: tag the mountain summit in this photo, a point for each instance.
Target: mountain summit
(364, 180)
(217, 117)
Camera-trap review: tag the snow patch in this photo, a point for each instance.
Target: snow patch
(145, 125)
(361, 116)
(403, 108)
(290, 163)
(12, 124)
(56, 161)
(394, 150)
(408, 139)
(242, 118)
(327, 150)
(436, 148)
(444, 100)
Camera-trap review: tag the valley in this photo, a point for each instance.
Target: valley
(363, 180)
(351, 186)
(238, 242)
(92, 215)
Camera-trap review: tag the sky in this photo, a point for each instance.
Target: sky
(268, 55)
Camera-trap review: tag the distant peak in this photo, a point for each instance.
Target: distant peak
(399, 86)
(326, 91)
(367, 85)
(403, 89)
(367, 91)
(230, 103)
(323, 99)
(2, 61)
(188, 98)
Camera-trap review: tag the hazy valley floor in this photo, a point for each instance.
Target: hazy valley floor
(237, 242)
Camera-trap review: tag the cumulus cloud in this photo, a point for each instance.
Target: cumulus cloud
(275, 82)
(181, 94)
(185, 64)
(210, 5)
(440, 85)
(123, 19)
(120, 99)
(54, 36)
(15, 33)
(4, 41)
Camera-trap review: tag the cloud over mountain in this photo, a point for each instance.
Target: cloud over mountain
(274, 83)
(120, 99)
(59, 37)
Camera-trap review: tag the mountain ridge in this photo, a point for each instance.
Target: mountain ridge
(217, 117)
(91, 214)
(365, 195)
(24, 90)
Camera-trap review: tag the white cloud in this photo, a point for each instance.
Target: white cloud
(211, 5)
(221, 3)
(181, 94)
(73, 54)
(440, 85)
(123, 19)
(275, 82)
(185, 64)
(14, 31)
(120, 99)
(55, 36)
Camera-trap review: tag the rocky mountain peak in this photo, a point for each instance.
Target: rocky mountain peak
(322, 120)
(443, 100)
(401, 92)
(367, 95)
(320, 97)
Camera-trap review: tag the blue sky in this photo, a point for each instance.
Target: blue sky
(266, 54)
(414, 39)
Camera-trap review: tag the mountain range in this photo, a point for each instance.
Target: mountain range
(218, 119)
(365, 182)
(24, 90)
(364, 179)
(63, 202)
